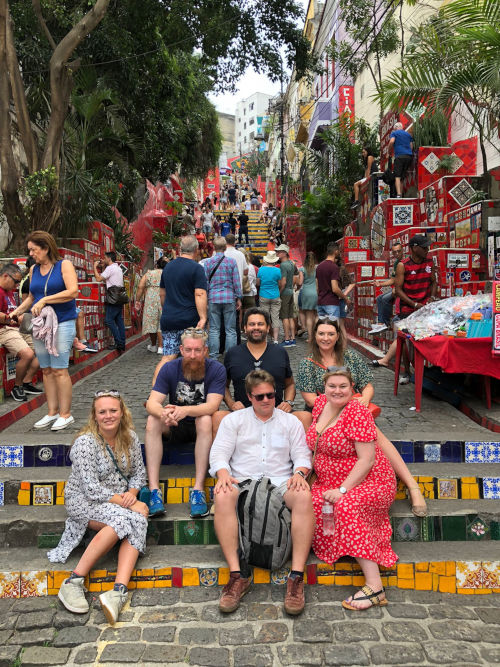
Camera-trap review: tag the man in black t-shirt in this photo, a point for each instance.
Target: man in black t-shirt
(232, 221)
(243, 220)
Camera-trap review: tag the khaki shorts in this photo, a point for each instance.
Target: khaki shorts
(28, 338)
(286, 310)
(271, 306)
(12, 340)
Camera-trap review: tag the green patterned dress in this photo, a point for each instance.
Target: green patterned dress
(310, 375)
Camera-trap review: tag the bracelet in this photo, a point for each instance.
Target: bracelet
(290, 403)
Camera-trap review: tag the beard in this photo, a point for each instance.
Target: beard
(256, 335)
(193, 369)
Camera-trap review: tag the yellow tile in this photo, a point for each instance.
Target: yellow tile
(346, 567)
(99, 573)
(150, 572)
(174, 496)
(385, 581)
(474, 492)
(421, 567)
(50, 580)
(261, 576)
(451, 568)
(223, 575)
(162, 583)
(60, 500)
(358, 581)
(163, 571)
(435, 582)
(465, 591)
(57, 578)
(185, 495)
(145, 584)
(424, 480)
(466, 491)
(401, 495)
(23, 497)
(340, 580)
(132, 585)
(52, 591)
(495, 590)
(108, 585)
(482, 591)
(405, 571)
(184, 481)
(469, 480)
(393, 581)
(59, 488)
(423, 581)
(94, 588)
(210, 481)
(190, 576)
(406, 583)
(171, 483)
(437, 568)
(328, 580)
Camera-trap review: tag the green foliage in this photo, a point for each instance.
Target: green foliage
(431, 129)
(448, 163)
(256, 165)
(38, 186)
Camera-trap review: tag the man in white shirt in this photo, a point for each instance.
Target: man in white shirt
(113, 319)
(252, 443)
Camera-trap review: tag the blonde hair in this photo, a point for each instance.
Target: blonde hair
(339, 371)
(123, 440)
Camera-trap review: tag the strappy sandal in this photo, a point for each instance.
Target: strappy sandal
(370, 595)
(418, 510)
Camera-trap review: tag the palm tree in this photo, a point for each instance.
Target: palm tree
(452, 64)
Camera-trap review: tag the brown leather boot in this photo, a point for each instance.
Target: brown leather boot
(232, 593)
(294, 598)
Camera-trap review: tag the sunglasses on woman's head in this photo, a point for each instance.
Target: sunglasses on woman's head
(327, 320)
(107, 392)
(261, 397)
(337, 369)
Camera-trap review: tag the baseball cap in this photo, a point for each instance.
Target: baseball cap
(420, 240)
(283, 247)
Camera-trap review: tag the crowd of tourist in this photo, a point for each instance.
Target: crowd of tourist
(225, 383)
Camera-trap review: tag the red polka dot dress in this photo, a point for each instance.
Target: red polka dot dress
(362, 526)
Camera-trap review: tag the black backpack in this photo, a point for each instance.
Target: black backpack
(264, 525)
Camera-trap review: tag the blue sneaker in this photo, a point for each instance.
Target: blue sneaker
(292, 343)
(155, 503)
(285, 343)
(198, 504)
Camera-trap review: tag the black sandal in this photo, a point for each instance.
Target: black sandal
(370, 595)
(377, 364)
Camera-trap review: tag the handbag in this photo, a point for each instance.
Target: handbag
(26, 325)
(312, 475)
(116, 296)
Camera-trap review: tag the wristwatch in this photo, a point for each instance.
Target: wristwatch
(301, 473)
(290, 403)
(342, 490)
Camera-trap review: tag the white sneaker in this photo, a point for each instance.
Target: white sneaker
(61, 423)
(152, 348)
(45, 421)
(112, 603)
(160, 350)
(404, 379)
(72, 595)
(377, 328)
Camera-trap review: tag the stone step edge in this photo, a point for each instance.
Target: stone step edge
(41, 493)
(462, 577)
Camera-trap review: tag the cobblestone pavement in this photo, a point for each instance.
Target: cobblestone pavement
(179, 626)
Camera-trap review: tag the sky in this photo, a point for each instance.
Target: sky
(251, 82)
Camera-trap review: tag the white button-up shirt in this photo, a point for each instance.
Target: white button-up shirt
(250, 448)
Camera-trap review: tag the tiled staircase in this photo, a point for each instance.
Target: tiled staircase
(257, 231)
(454, 549)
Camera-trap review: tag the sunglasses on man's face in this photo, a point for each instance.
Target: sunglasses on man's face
(261, 397)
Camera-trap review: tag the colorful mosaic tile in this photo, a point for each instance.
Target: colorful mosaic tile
(462, 192)
(1, 494)
(491, 488)
(208, 576)
(491, 574)
(11, 456)
(10, 584)
(447, 489)
(33, 584)
(477, 529)
(280, 576)
(478, 452)
(406, 529)
(402, 215)
(43, 494)
(431, 162)
(432, 453)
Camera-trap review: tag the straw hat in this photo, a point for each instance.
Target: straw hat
(270, 258)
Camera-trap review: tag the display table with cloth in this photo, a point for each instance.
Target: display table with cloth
(452, 355)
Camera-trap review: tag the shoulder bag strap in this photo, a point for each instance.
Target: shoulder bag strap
(316, 363)
(47, 281)
(212, 272)
(110, 452)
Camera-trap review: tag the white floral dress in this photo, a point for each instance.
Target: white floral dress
(92, 482)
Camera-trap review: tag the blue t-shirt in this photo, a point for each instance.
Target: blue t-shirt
(402, 142)
(269, 282)
(225, 228)
(179, 279)
(171, 382)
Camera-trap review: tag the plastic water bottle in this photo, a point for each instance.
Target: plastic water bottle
(327, 516)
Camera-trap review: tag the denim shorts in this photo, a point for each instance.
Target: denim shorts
(332, 312)
(342, 309)
(66, 332)
(171, 341)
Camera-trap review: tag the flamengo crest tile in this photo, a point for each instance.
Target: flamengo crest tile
(491, 488)
(462, 192)
(402, 215)
(11, 456)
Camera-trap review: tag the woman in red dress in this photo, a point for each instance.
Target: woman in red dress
(356, 477)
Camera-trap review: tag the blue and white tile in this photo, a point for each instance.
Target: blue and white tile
(494, 449)
(11, 456)
(432, 453)
(477, 452)
(1, 494)
(491, 488)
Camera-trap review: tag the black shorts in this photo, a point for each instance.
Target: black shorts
(185, 433)
(401, 165)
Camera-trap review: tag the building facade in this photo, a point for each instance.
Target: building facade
(251, 117)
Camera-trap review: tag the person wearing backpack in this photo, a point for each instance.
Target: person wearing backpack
(254, 443)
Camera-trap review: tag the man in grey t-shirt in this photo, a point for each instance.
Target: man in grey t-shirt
(287, 268)
(113, 276)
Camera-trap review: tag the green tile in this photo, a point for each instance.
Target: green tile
(495, 530)
(188, 532)
(427, 529)
(48, 541)
(453, 528)
(209, 533)
(477, 528)
(406, 529)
